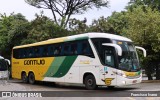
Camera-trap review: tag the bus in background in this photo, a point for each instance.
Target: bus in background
(93, 59)
(4, 64)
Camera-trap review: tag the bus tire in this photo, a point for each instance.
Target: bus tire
(90, 82)
(31, 78)
(24, 77)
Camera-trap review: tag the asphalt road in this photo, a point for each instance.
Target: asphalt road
(61, 91)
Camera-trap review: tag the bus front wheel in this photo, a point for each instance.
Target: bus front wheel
(24, 77)
(31, 78)
(90, 82)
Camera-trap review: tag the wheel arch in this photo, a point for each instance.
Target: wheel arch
(23, 72)
(88, 73)
(31, 72)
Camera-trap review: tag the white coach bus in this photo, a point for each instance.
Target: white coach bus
(4, 72)
(92, 59)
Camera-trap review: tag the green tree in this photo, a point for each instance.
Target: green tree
(66, 8)
(114, 24)
(43, 28)
(13, 29)
(143, 29)
(154, 4)
(118, 22)
(77, 26)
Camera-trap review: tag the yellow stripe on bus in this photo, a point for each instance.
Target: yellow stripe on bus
(39, 68)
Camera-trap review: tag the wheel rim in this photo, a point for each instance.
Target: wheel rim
(31, 78)
(24, 77)
(90, 82)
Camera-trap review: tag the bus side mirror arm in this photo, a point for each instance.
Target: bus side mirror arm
(117, 47)
(8, 61)
(144, 51)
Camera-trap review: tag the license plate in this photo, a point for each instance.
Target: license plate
(135, 81)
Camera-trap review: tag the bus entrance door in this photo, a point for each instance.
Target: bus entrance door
(109, 69)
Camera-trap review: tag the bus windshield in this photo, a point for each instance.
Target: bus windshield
(129, 59)
(3, 65)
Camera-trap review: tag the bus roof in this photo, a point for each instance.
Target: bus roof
(77, 37)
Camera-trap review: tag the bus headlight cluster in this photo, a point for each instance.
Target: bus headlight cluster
(124, 75)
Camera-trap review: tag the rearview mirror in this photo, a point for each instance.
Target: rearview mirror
(117, 47)
(144, 51)
(8, 61)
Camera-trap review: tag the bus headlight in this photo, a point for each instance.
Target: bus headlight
(124, 75)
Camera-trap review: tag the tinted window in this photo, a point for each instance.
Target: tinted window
(45, 52)
(86, 49)
(80, 47)
(51, 50)
(74, 49)
(3, 65)
(66, 49)
(57, 50)
(37, 51)
(30, 52)
(100, 48)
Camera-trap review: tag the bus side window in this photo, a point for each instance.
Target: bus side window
(24, 52)
(74, 49)
(40, 51)
(37, 52)
(30, 52)
(20, 53)
(16, 53)
(86, 49)
(57, 50)
(51, 50)
(66, 49)
(45, 51)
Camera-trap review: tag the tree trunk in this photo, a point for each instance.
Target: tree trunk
(149, 76)
(149, 71)
(157, 72)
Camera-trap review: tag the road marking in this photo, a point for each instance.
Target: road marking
(131, 98)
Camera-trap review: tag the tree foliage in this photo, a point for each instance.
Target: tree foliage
(43, 28)
(154, 4)
(118, 22)
(77, 26)
(143, 29)
(66, 8)
(13, 29)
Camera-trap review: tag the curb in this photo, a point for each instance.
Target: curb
(150, 81)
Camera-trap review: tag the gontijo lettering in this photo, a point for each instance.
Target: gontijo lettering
(34, 62)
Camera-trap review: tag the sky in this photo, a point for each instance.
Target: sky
(20, 6)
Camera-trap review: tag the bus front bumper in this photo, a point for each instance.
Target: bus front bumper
(128, 81)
